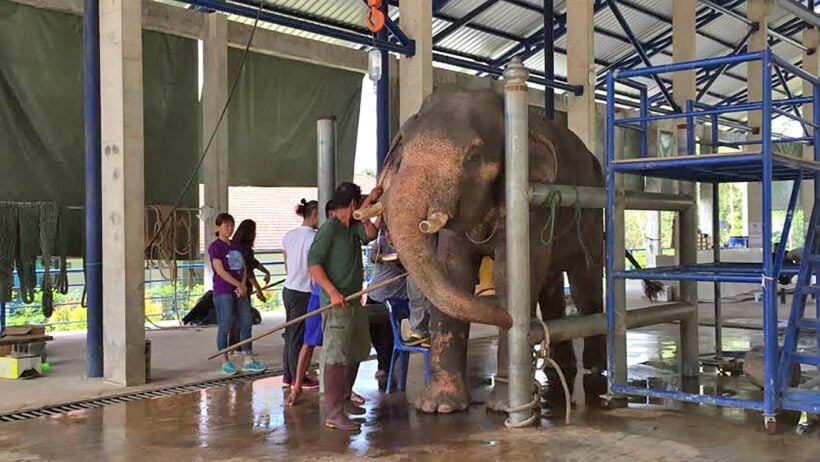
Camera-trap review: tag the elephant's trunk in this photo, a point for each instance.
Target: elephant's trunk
(406, 205)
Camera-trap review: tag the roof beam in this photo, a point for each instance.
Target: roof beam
(464, 20)
(668, 20)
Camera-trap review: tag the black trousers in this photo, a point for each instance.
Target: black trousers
(381, 336)
(296, 304)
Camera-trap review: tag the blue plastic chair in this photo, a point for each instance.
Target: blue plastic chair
(400, 309)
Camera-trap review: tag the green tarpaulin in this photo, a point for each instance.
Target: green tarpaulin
(272, 119)
(41, 109)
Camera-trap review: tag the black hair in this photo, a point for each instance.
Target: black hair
(306, 209)
(346, 193)
(329, 207)
(245, 234)
(223, 218)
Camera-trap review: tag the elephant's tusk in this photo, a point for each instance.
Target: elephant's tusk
(434, 222)
(374, 210)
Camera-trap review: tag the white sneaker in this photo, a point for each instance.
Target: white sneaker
(405, 330)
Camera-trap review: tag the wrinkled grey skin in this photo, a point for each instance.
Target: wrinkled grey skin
(449, 158)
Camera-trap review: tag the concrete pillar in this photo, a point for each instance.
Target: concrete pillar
(416, 72)
(811, 63)
(581, 71)
(683, 90)
(123, 191)
(214, 95)
(757, 11)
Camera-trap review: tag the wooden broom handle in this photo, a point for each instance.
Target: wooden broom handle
(304, 316)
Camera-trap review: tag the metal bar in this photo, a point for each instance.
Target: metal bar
(644, 113)
(722, 109)
(394, 29)
(732, 13)
(517, 240)
(738, 49)
(2, 315)
(326, 159)
(782, 79)
(595, 198)
(549, 58)
(93, 188)
(787, 225)
(660, 275)
(463, 20)
(782, 63)
(668, 20)
(801, 12)
(813, 224)
(279, 19)
(769, 288)
(800, 139)
(789, 115)
(689, 397)
(615, 290)
(718, 311)
(690, 128)
(573, 327)
(382, 105)
(613, 6)
(454, 61)
(689, 65)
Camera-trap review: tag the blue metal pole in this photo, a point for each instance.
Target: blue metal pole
(383, 103)
(816, 133)
(644, 123)
(613, 6)
(690, 128)
(93, 189)
(549, 58)
(610, 232)
(718, 309)
(2, 315)
(769, 295)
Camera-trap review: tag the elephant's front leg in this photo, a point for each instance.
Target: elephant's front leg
(448, 389)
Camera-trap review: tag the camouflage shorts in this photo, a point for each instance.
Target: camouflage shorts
(346, 334)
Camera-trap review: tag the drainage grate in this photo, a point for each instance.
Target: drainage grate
(126, 397)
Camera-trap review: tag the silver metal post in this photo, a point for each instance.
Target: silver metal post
(516, 125)
(326, 169)
(326, 157)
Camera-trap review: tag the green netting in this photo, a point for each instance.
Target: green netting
(272, 119)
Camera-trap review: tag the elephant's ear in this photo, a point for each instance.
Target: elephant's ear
(543, 159)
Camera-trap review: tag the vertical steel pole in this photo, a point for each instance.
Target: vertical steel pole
(383, 102)
(816, 135)
(516, 176)
(716, 244)
(326, 157)
(2, 316)
(93, 188)
(644, 109)
(770, 355)
(549, 55)
(615, 251)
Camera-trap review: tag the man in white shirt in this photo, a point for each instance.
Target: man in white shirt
(296, 294)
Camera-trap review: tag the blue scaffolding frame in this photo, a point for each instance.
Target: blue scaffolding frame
(763, 166)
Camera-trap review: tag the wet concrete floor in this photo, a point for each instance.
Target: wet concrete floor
(248, 422)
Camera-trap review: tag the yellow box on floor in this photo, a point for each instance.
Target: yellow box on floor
(14, 367)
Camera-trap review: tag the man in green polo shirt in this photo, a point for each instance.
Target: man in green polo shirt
(335, 263)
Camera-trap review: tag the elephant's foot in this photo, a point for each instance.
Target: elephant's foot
(444, 397)
(499, 399)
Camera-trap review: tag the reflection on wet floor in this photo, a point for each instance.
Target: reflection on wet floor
(248, 422)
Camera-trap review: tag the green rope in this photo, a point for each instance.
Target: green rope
(27, 249)
(8, 246)
(49, 222)
(553, 203)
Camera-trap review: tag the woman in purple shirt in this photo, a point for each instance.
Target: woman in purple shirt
(231, 293)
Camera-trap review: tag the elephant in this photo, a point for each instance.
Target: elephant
(446, 166)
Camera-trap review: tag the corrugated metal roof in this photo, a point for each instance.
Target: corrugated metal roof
(509, 18)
